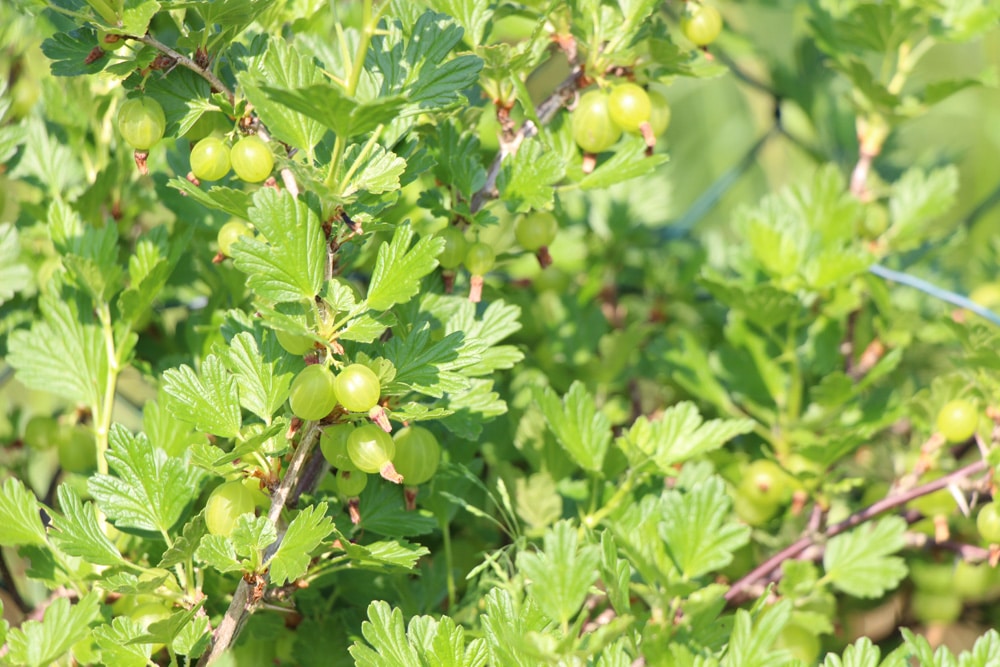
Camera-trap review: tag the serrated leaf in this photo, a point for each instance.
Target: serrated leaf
(14, 276)
(696, 530)
(561, 574)
(472, 408)
(763, 303)
(194, 638)
(252, 534)
(289, 267)
(40, 643)
(383, 512)
(234, 202)
(19, 516)
(579, 427)
(218, 552)
(860, 563)
(384, 556)
(67, 53)
(628, 161)
(399, 268)
(78, 533)
(90, 255)
(151, 490)
(862, 653)
(264, 377)
(917, 199)
(330, 106)
(115, 642)
(210, 400)
(181, 96)
(63, 354)
(185, 546)
(285, 67)
(754, 634)
(458, 161)
(385, 632)
(365, 328)
(306, 532)
(526, 179)
(375, 171)
(679, 435)
(425, 365)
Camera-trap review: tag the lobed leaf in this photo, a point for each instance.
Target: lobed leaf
(307, 530)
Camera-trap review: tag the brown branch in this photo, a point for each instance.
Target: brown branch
(243, 603)
(545, 111)
(182, 60)
(736, 594)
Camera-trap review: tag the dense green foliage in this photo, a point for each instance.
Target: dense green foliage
(466, 332)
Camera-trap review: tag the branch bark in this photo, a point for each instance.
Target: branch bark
(243, 605)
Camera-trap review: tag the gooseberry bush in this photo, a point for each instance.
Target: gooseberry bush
(478, 332)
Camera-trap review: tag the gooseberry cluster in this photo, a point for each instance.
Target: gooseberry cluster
(601, 117)
(142, 123)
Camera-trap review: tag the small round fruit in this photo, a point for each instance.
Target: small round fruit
(371, 450)
(957, 420)
(417, 454)
(225, 505)
(296, 344)
(972, 581)
(312, 395)
(358, 388)
(593, 129)
(210, 159)
(935, 607)
(350, 483)
(455, 247)
(765, 483)
(932, 577)
(659, 115)
(988, 523)
(252, 159)
(141, 122)
(230, 233)
(802, 643)
(209, 123)
(479, 259)
(41, 432)
(751, 511)
(536, 230)
(629, 106)
(701, 23)
(333, 444)
(78, 450)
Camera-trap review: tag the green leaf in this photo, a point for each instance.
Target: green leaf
(234, 202)
(184, 547)
(210, 402)
(330, 106)
(384, 556)
(628, 161)
(425, 365)
(306, 532)
(136, 16)
(678, 435)
(754, 634)
(562, 573)
(263, 377)
(151, 490)
(398, 271)
(218, 552)
(67, 53)
(284, 66)
(90, 254)
(917, 199)
(19, 516)
(538, 502)
(526, 179)
(149, 266)
(63, 354)
(115, 642)
(860, 563)
(78, 533)
(383, 512)
(252, 534)
(181, 95)
(384, 630)
(193, 638)
(696, 529)
(579, 427)
(14, 276)
(472, 15)
(458, 161)
(289, 267)
(376, 170)
(40, 643)
(419, 69)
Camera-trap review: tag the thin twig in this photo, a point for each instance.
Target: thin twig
(736, 594)
(182, 60)
(242, 606)
(545, 112)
